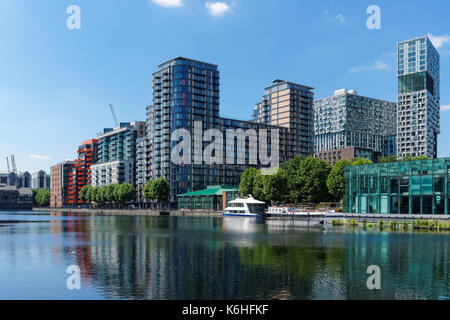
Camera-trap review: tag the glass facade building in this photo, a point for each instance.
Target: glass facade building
(418, 114)
(186, 92)
(348, 120)
(415, 187)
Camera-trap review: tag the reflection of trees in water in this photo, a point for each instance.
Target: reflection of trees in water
(296, 268)
(169, 258)
(412, 265)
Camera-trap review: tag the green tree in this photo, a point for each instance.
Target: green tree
(361, 162)
(388, 159)
(34, 191)
(83, 193)
(116, 192)
(157, 190)
(335, 181)
(312, 178)
(43, 197)
(125, 193)
(292, 169)
(109, 194)
(100, 196)
(258, 187)
(91, 194)
(247, 181)
(275, 187)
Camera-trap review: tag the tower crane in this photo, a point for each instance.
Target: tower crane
(114, 115)
(13, 162)
(7, 162)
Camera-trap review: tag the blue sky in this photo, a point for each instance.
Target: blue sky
(56, 83)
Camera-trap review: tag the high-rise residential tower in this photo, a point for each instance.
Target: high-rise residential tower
(289, 105)
(418, 108)
(348, 126)
(186, 96)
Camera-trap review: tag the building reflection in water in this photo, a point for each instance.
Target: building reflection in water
(213, 258)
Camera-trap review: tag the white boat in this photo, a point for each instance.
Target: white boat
(302, 217)
(248, 207)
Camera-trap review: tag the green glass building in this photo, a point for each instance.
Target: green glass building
(415, 187)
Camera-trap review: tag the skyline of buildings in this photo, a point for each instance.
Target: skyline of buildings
(186, 93)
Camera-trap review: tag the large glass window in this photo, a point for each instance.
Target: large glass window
(415, 185)
(427, 205)
(416, 205)
(438, 182)
(404, 185)
(373, 183)
(384, 184)
(384, 205)
(427, 185)
(394, 185)
(404, 205)
(373, 205)
(394, 204)
(415, 82)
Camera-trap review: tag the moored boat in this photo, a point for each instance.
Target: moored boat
(246, 207)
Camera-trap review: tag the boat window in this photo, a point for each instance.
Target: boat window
(256, 208)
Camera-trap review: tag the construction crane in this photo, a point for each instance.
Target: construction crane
(114, 115)
(13, 163)
(7, 162)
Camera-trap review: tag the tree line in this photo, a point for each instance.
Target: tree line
(304, 180)
(157, 191)
(112, 194)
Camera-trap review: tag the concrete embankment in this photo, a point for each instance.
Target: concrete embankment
(124, 212)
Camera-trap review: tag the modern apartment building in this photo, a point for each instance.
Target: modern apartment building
(186, 93)
(112, 172)
(59, 184)
(289, 105)
(40, 180)
(348, 120)
(418, 116)
(79, 177)
(117, 154)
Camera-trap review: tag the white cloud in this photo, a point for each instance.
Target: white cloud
(340, 18)
(217, 9)
(39, 157)
(445, 107)
(439, 41)
(169, 3)
(377, 66)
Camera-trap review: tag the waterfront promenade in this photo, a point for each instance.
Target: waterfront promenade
(193, 213)
(136, 212)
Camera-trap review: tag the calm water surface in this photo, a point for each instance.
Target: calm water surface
(212, 258)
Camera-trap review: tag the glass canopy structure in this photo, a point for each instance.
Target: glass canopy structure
(415, 187)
